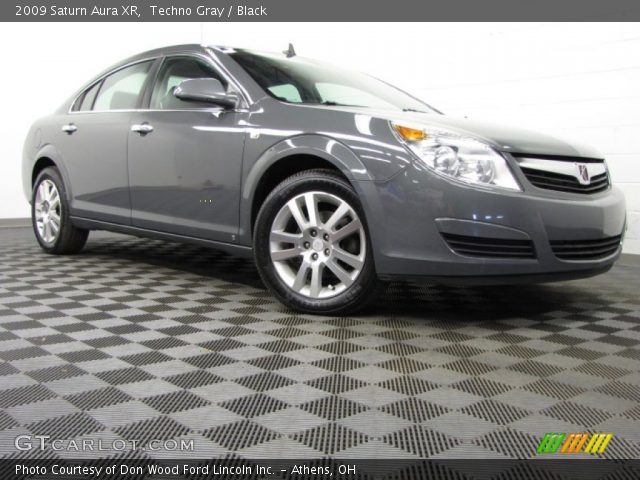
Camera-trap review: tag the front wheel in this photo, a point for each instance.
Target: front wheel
(312, 247)
(50, 216)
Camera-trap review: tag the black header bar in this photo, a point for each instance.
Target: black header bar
(317, 10)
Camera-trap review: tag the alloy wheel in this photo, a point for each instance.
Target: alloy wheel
(48, 210)
(317, 244)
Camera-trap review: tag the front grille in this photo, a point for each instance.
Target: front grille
(585, 249)
(489, 247)
(565, 183)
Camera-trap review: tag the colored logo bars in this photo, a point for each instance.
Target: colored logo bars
(574, 443)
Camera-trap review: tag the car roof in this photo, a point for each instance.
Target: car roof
(189, 47)
(153, 53)
(168, 50)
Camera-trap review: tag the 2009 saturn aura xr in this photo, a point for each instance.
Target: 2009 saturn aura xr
(331, 180)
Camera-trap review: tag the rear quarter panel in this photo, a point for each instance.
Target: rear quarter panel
(39, 144)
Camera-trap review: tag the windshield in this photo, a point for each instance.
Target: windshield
(299, 80)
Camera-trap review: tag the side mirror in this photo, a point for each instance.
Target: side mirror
(208, 90)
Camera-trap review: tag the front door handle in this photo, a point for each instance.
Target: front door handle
(69, 128)
(142, 128)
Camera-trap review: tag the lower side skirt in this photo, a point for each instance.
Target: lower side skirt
(233, 249)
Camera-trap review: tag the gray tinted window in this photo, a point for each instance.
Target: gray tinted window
(120, 90)
(89, 97)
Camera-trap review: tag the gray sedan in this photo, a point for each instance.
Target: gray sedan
(333, 181)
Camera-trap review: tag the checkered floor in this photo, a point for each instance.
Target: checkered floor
(136, 340)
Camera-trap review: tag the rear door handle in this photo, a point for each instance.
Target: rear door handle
(69, 128)
(141, 128)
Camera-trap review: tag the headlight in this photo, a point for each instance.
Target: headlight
(462, 158)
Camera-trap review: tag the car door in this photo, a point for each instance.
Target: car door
(93, 144)
(185, 158)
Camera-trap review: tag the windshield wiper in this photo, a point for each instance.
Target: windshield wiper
(413, 110)
(336, 104)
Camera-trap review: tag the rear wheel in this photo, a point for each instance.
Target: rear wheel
(50, 215)
(312, 246)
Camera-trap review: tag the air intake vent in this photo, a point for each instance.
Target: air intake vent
(565, 183)
(585, 249)
(489, 247)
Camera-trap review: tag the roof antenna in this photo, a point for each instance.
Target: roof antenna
(290, 52)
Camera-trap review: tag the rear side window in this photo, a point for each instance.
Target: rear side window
(120, 90)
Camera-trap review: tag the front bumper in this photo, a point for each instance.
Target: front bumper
(408, 214)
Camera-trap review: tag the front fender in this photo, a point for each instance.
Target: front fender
(326, 148)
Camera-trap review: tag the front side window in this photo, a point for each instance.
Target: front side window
(120, 90)
(174, 71)
(299, 80)
(88, 98)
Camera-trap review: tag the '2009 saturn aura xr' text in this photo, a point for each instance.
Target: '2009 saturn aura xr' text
(331, 180)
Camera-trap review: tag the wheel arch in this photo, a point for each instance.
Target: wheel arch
(40, 164)
(292, 156)
(47, 156)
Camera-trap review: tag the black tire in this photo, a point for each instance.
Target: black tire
(69, 239)
(366, 283)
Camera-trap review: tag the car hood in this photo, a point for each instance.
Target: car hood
(501, 137)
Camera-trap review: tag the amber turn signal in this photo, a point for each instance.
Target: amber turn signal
(410, 134)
